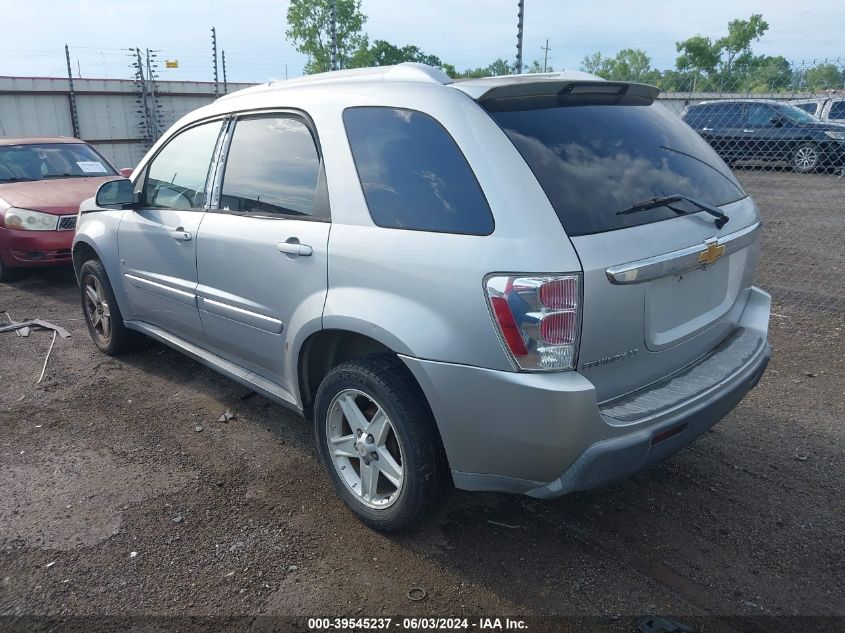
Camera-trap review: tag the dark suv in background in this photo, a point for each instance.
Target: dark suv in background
(756, 129)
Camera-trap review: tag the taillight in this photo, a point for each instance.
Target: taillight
(538, 318)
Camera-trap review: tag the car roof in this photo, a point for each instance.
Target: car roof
(414, 73)
(37, 140)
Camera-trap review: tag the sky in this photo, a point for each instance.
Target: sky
(466, 33)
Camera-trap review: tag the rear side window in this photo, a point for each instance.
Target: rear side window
(837, 110)
(178, 173)
(596, 160)
(413, 174)
(807, 107)
(272, 168)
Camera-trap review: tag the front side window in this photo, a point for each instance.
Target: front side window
(760, 115)
(176, 177)
(413, 174)
(272, 168)
(47, 161)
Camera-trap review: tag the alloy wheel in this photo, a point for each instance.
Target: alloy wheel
(97, 308)
(364, 449)
(806, 158)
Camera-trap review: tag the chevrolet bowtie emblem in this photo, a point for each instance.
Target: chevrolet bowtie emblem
(710, 254)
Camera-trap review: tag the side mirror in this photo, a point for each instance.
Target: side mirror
(125, 172)
(116, 194)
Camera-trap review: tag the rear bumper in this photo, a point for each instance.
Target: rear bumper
(19, 249)
(546, 435)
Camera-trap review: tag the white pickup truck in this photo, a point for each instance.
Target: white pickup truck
(827, 109)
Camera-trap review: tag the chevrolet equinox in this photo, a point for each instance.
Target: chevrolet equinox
(531, 284)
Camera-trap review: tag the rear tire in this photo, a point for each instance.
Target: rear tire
(102, 314)
(379, 444)
(806, 158)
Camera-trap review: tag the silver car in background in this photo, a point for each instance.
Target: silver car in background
(532, 284)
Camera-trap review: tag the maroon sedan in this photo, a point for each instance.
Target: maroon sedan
(42, 183)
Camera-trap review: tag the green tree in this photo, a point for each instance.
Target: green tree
(629, 64)
(711, 65)
(536, 66)
(309, 28)
(824, 77)
(737, 42)
(383, 53)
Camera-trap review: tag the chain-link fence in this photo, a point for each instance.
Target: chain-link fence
(782, 130)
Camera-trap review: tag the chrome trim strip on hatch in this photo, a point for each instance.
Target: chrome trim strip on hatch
(681, 261)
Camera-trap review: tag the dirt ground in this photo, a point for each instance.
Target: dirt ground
(123, 495)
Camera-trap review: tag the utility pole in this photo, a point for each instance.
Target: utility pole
(520, 14)
(546, 50)
(214, 53)
(74, 116)
(334, 35)
(225, 84)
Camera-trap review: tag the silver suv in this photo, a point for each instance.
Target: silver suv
(532, 284)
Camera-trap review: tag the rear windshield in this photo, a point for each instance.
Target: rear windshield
(45, 161)
(596, 160)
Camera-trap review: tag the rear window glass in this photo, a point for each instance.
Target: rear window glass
(595, 160)
(413, 174)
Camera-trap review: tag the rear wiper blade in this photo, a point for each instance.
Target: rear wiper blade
(668, 201)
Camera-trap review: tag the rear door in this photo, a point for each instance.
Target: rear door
(262, 251)
(157, 243)
(660, 289)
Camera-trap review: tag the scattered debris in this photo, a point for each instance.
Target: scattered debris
(810, 374)
(228, 415)
(802, 457)
(50, 564)
(198, 428)
(292, 567)
(15, 326)
(751, 605)
(656, 624)
(133, 554)
(229, 575)
(24, 331)
(507, 525)
(417, 594)
(177, 519)
(46, 358)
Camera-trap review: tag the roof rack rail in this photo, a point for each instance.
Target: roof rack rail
(406, 71)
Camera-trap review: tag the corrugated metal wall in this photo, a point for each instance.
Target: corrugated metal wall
(106, 110)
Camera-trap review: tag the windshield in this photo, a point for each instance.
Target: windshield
(595, 160)
(795, 114)
(51, 160)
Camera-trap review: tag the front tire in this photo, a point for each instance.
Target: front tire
(102, 314)
(379, 444)
(806, 158)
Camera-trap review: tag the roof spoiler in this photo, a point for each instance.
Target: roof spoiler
(557, 92)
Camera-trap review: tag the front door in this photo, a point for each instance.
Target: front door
(262, 252)
(157, 242)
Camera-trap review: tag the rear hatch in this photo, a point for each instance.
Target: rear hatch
(663, 286)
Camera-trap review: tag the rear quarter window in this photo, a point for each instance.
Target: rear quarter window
(413, 174)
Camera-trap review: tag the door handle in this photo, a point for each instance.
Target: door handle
(749, 131)
(291, 246)
(181, 235)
